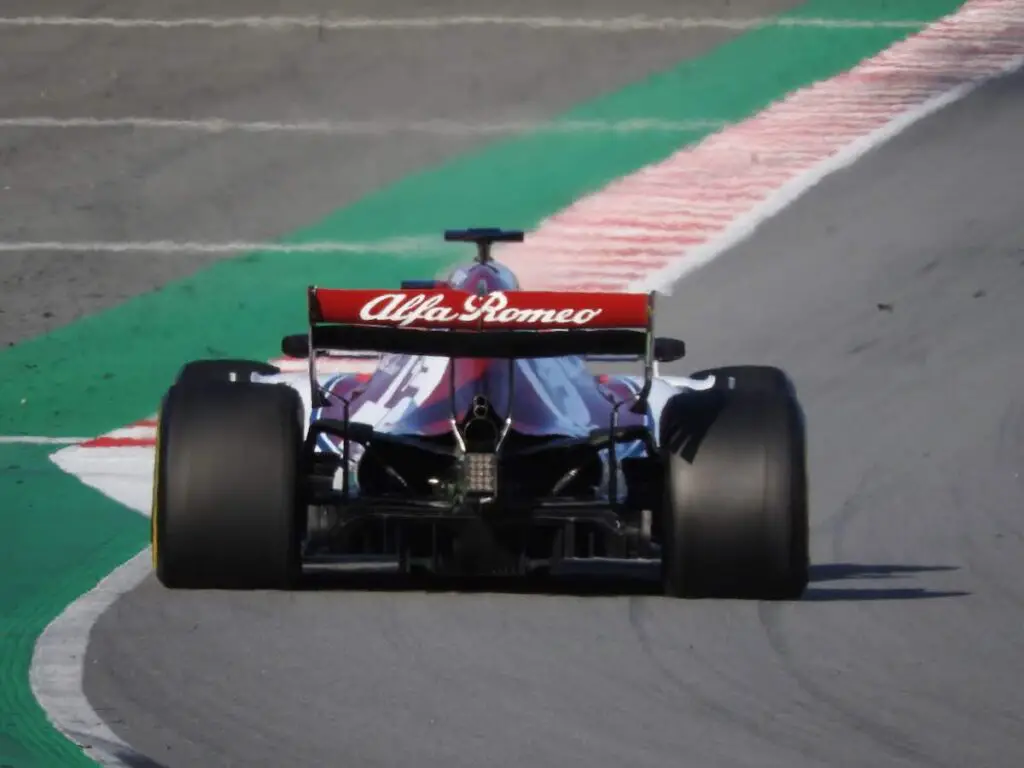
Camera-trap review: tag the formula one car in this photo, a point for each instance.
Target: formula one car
(481, 444)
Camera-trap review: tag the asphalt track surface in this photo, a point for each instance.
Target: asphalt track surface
(892, 292)
(123, 185)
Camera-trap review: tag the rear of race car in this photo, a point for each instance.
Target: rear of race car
(497, 473)
(481, 445)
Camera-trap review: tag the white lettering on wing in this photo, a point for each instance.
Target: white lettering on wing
(406, 309)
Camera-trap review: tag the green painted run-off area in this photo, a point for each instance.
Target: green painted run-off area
(60, 537)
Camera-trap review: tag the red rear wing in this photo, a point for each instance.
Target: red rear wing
(449, 323)
(459, 310)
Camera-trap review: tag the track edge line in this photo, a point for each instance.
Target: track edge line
(58, 666)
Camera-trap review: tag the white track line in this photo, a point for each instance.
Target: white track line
(36, 440)
(57, 666)
(364, 127)
(608, 24)
(396, 245)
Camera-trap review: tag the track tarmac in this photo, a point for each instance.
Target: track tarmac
(892, 293)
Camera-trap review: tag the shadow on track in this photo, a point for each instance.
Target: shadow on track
(121, 753)
(829, 572)
(622, 580)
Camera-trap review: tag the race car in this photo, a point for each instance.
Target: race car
(481, 443)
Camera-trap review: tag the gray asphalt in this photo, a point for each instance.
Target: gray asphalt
(75, 185)
(907, 649)
(893, 295)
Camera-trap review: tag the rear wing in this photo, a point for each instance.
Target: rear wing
(451, 323)
(447, 309)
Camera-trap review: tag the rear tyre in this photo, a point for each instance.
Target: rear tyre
(734, 520)
(226, 501)
(749, 378)
(223, 370)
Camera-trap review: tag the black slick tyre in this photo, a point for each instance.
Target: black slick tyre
(734, 519)
(226, 495)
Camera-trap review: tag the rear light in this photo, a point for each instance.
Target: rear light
(480, 471)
